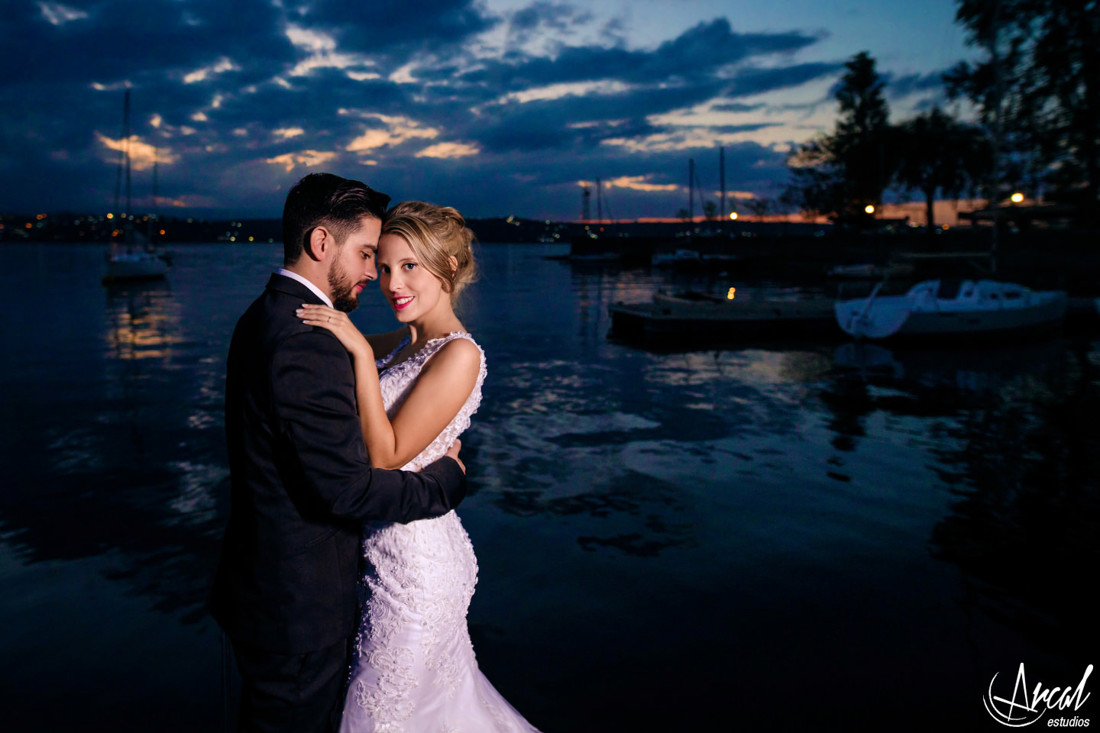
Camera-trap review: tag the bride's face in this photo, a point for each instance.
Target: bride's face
(412, 291)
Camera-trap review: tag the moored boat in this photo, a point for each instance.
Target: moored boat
(135, 266)
(870, 271)
(699, 317)
(132, 256)
(679, 258)
(951, 308)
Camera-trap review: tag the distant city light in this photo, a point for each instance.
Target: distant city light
(1017, 197)
(732, 292)
(869, 208)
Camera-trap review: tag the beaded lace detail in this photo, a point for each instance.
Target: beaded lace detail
(397, 381)
(414, 667)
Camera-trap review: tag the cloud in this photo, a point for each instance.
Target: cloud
(239, 99)
(302, 158)
(388, 27)
(543, 15)
(763, 80)
(698, 53)
(142, 154)
(221, 66)
(639, 183)
(930, 86)
(58, 14)
(448, 150)
(544, 27)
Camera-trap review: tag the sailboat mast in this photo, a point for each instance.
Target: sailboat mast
(722, 179)
(153, 226)
(691, 191)
(126, 146)
(156, 196)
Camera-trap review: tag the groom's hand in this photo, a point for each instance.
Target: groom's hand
(452, 452)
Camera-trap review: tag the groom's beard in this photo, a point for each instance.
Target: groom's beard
(342, 285)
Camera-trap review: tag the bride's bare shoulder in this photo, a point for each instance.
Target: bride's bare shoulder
(458, 354)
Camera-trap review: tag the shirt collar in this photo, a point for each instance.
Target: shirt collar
(316, 291)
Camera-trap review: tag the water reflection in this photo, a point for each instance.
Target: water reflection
(143, 320)
(108, 463)
(754, 483)
(978, 371)
(1017, 442)
(1025, 525)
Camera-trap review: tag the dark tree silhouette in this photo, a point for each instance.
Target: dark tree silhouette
(841, 173)
(936, 153)
(1040, 86)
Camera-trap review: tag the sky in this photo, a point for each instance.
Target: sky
(496, 107)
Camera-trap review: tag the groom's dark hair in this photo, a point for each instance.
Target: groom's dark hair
(326, 199)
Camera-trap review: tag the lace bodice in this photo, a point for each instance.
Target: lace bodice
(397, 381)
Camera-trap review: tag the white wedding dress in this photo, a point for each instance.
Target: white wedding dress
(413, 669)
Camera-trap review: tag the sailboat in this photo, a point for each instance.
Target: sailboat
(949, 308)
(129, 259)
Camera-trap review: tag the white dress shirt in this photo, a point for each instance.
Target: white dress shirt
(316, 291)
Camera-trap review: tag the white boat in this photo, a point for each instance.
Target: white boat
(719, 260)
(869, 271)
(135, 266)
(951, 308)
(679, 258)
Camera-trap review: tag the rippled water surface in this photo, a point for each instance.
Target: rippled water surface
(791, 536)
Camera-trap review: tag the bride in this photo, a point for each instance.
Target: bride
(413, 666)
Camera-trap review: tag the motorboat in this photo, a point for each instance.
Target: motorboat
(951, 308)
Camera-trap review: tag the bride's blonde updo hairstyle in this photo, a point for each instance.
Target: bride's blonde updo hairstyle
(436, 234)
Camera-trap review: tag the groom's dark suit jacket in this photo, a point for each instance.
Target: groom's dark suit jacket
(301, 483)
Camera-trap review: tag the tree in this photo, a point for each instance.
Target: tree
(759, 207)
(841, 173)
(938, 153)
(1039, 88)
(710, 211)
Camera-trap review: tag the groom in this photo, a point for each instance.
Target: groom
(285, 589)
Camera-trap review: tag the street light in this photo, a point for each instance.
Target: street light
(1017, 197)
(869, 208)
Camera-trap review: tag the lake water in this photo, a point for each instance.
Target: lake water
(796, 536)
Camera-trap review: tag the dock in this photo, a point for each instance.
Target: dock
(697, 318)
(667, 319)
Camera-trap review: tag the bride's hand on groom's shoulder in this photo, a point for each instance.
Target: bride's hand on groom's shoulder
(340, 325)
